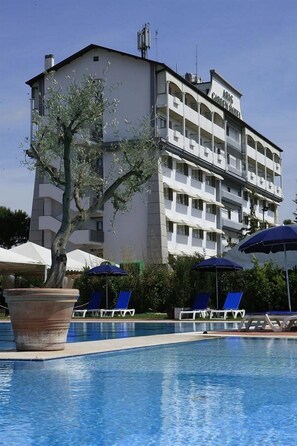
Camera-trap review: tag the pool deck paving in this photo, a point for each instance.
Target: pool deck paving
(112, 345)
(103, 346)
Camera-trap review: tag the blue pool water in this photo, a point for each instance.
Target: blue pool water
(214, 392)
(89, 331)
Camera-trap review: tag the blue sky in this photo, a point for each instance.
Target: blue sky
(251, 43)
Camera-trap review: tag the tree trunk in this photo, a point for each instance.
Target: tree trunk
(57, 271)
(59, 258)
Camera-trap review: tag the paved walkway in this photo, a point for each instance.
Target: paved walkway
(109, 345)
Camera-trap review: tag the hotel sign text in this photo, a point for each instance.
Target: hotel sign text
(226, 101)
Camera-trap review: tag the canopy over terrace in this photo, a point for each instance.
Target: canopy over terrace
(43, 255)
(14, 263)
(87, 259)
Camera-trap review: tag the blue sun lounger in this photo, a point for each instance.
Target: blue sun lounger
(230, 306)
(121, 306)
(92, 307)
(199, 307)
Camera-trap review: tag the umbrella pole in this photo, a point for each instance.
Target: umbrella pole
(217, 289)
(287, 280)
(106, 293)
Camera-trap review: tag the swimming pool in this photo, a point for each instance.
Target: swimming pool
(225, 391)
(95, 331)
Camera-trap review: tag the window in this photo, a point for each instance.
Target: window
(182, 199)
(197, 175)
(197, 204)
(162, 123)
(167, 161)
(233, 133)
(168, 193)
(211, 236)
(99, 224)
(197, 233)
(211, 209)
(182, 168)
(210, 181)
(182, 230)
(96, 59)
(169, 226)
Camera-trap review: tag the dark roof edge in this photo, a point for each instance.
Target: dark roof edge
(79, 54)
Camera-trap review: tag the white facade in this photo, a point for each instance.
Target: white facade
(213, 165)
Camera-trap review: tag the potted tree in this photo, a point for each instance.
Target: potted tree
(65, 146)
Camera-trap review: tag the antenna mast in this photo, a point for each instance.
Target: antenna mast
(196, 62)
(144, 40)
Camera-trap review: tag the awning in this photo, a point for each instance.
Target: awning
(189, 163)
(219, 177)
(176, 157)
(213, 201)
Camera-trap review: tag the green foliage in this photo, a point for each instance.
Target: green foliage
(295, 213)
(14, 227)
(264, 287)
(86, 284)
(288, 221)
(185, 281)
(160, 288)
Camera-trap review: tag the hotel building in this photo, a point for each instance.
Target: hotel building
(214, 165)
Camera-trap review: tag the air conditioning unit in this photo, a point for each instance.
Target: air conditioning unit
(176, 134)
(277, 166)
(220, 158)
(252, 176)
(206, 151)
(271, 184)
(261, 180)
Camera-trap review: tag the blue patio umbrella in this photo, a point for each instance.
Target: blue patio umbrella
(276, 239)
(215, 264)
(106, 269)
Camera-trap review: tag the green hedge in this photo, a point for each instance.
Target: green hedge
(160, 288)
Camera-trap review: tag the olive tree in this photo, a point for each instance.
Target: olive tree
(66, 144)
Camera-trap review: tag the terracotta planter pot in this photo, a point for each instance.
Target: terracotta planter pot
(40, 317)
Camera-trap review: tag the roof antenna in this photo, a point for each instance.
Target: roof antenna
(156, 39)
(196, 62)
(144, 40)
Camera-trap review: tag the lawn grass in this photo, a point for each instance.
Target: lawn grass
(151, 315)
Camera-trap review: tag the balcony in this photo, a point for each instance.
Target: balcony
(231, 224)
(162, 100)
(48, 190)
(205, 124)
(234, 170)
(229, 196)
(79, 237)
(218, 131)
(234, 144)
